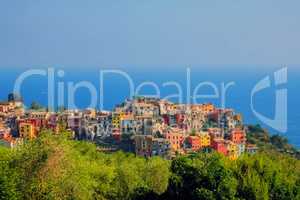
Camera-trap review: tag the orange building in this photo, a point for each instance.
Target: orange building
(6, 106)
(194, 142)
(175, 139)
(207, 108)
(238, 136)
(30, 128)
(238, 118)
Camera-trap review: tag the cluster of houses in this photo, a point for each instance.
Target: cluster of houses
(154, 127)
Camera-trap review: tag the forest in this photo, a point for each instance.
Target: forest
(58, 167)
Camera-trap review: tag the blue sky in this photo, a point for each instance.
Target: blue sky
(91, 33)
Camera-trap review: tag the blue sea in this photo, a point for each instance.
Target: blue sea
(168, 80)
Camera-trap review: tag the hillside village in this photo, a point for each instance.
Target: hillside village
(144, 125)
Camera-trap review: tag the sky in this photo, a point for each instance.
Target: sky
(91, 33)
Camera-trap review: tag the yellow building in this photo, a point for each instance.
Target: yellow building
(127, 116)
(204, 139)
(90, 112)
(27, 130)
(124, 116)
(232, 150)
(238, 117)
(207, 108)
(116, 119)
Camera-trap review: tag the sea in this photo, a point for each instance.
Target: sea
(230, 86)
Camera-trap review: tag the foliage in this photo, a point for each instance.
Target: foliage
(210, 124)
(203, 176)
(36, 106)
(262, 138)
(56, 167)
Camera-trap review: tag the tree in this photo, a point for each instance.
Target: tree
(57, 167)
(279, 141)
(35, 106)
(202, 174)
(8, 177)
(14, 97)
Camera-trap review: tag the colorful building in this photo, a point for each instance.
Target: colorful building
(175, 139)
(241, 148)
(53, 123)
(207, 108)
(147, 146)
(160, 147)
(4, 107)
(205, 139)
(27, 130)
(193, 143)
(215, 133)
(116, 119)
(127, 124)
(161, 127)
(238, 136)
(251, 148)
(116, 124)
(232, 150)
(143, 145)
(219, 146)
